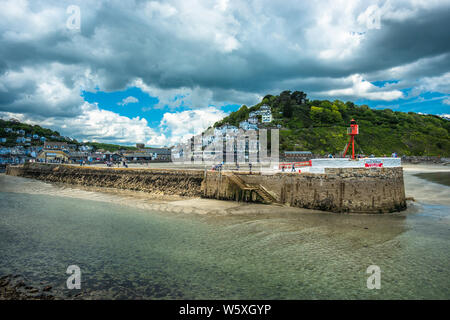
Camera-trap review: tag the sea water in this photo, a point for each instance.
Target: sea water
(125, 252)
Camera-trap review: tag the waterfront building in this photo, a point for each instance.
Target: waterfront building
(53, 156)
(77, 156)
(302, 155)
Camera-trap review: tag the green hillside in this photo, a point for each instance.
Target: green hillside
(320, 126)
(28, 128)
(49, 134)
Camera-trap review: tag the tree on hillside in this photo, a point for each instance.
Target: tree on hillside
(299, 97)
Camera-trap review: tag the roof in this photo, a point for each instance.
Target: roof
(159, 150)
(137, 155)
(55, 143)
(297, 152)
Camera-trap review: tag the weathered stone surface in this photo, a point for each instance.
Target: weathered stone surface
(170, 182)
(12, 287)
(363, 190)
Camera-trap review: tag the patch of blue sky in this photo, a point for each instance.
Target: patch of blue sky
(228, 108)
(428, 102)
(145, 108)
(382, 83)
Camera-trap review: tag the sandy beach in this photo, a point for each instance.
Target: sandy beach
(424, 190)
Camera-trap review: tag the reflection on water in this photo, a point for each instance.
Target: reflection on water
(125, 252)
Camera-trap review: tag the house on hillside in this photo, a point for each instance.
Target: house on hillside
(264, 111)
(245, 125)
(53, 145)
(224, 129)
(85, 148)
(253, 120)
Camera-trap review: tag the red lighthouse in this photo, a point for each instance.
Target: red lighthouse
(352, 131)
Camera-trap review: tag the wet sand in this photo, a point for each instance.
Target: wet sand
(424, 189)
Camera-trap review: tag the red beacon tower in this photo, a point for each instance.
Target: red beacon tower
(352, 131)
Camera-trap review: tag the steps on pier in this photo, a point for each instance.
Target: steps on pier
(259, 189)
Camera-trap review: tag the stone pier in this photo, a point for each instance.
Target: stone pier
(359, 190)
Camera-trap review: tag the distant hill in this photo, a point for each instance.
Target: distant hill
(28, 128)
(49, 134)
(320, 126)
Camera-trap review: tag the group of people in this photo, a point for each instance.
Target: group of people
(283, 168)
(218, 167)
(109, 163)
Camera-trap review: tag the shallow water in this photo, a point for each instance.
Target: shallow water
(126, 252)
(437, 177)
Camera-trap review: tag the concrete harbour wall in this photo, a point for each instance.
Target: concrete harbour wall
(156, 181)
(363, 190)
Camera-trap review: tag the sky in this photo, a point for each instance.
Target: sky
(158, 72)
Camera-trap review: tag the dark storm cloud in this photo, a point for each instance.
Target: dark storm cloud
(235, 51)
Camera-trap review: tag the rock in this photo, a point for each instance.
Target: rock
(47, 288)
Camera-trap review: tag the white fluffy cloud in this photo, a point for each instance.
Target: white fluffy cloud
(360, 88)
(196, 97)
(185, 124)
(95, 124)
(128, 100)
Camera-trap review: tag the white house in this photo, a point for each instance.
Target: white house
(253, 120)
(264, 111)
(245, 125)
(224, 129)
(266, 118)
